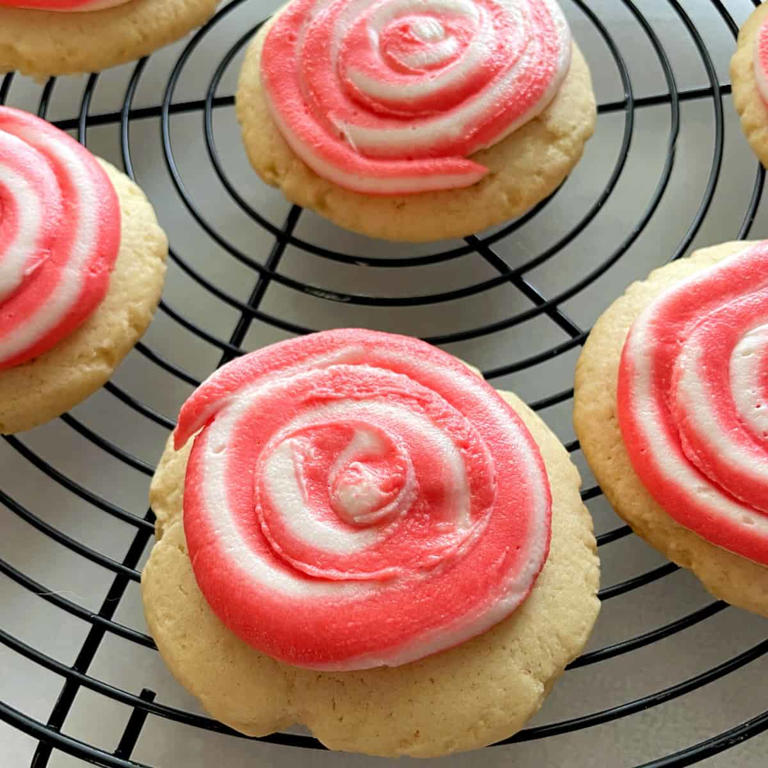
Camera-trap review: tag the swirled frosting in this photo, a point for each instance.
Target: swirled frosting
(356, 499)
(62, 5)
(59, 235)
(693, 402)
(391, 97)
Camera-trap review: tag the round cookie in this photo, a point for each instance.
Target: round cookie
(469, 696)
(47, 386)
(728, 576)
(524, 168)
(43, 43)
(746, 97)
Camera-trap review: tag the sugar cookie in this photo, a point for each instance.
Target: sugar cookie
(749, 73)
(425, 138)
(40, 42)
(82, 263)
(677, 391)
(369, 462)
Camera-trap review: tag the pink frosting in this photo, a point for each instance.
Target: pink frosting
(760, 60)
(59, 235)
(392, 97)
(693, 402)
(356, 499)
(62, 5)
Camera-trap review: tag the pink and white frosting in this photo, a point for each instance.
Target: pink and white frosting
(62, 5)
(693, 402)
(59, 235)
(760, 60)
(356, 499)
(390, 97)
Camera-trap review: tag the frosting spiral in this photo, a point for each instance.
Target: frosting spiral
(62, 5)
(59, 235)
(693, 402)
(356, 499)
(393, 96)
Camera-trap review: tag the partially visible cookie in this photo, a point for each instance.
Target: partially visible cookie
(524, 167)
(43, 43)
(475, 693)
(747, 100)
(729, 576)
(47, 386)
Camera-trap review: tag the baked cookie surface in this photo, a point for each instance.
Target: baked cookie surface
(47, 386)
(746, 97)
(728, 576)
(476, 693)
(523, 168)
(43, 43)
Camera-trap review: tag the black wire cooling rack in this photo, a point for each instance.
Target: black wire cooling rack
(528, 337)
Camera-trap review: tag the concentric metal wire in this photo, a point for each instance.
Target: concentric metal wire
(102, 622)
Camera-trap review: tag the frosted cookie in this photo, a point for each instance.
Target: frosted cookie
(749, 78)
(82, 262)
(412, 122)
(63, 37)
(357, 533)
(671, 409)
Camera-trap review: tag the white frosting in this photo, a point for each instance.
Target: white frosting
(696, 400)
(356, 492)
(747, 360)
(29, 213)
